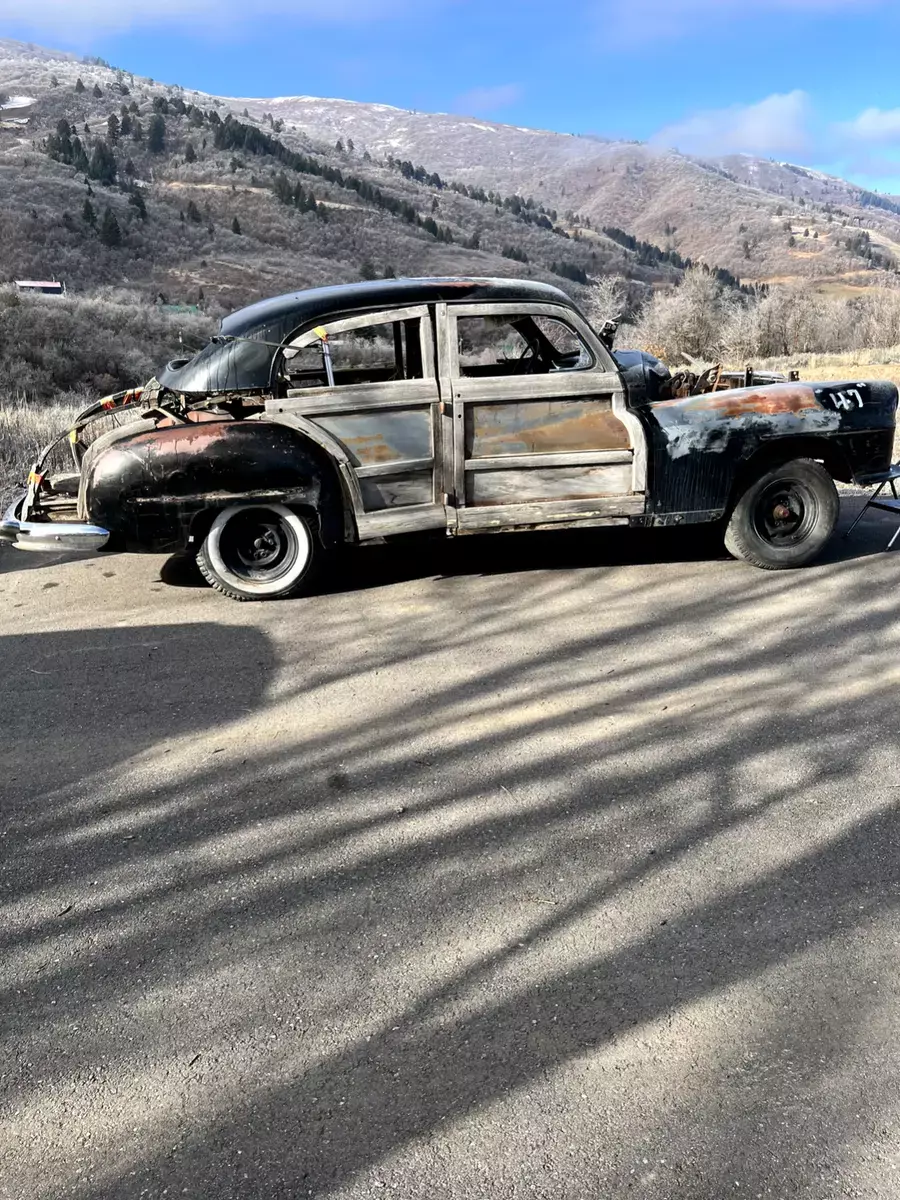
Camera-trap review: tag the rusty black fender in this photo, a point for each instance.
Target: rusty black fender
(158, 488)
(705, 448)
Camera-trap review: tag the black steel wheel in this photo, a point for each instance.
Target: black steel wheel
(259, 552)
(785, 517)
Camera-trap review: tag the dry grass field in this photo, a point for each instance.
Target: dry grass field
(859, 364)
(24, 429)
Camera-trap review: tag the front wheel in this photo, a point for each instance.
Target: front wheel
(785, 517)
(260, 552)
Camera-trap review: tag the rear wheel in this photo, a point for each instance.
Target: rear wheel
(785, 517)
(260, 552)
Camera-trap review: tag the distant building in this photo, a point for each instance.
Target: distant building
(49, 287)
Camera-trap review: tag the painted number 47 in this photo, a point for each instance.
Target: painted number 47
(849, 399)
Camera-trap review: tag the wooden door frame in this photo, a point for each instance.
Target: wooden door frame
(602, 377)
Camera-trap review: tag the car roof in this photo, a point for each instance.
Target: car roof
(296, 308)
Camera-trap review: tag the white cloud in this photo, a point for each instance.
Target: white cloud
(79, 17)
(482, 100)
(777, 126)
(875, 125)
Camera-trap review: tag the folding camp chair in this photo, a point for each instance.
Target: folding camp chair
(889, 504)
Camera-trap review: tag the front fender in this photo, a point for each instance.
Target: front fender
(150, 487)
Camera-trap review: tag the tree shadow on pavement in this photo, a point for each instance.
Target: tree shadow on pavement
(515, 882)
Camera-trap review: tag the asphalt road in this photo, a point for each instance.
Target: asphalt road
(560, 867)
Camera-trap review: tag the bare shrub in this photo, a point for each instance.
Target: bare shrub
(25, 428)
(605, 300)
(700, 320)
(97, 344)
(687, 322)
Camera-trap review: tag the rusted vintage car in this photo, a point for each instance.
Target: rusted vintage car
(464, 406)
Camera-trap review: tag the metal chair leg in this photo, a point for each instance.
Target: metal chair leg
(894, 539)
(865, 507)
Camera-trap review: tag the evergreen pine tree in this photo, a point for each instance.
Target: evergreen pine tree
(137, 201)
(190, 154)
(110, 233)
(193, 213)
(156, 134)
(98, 91)
(103, 164)
(79, 86)
(112, 128)
(88, 213)
(235, 226)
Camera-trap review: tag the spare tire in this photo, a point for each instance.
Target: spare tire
(785, 517)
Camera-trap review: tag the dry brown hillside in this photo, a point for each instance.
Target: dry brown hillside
(740, 212)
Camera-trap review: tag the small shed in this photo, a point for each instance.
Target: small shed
(49, 287)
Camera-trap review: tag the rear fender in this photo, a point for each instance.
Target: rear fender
(773, 454)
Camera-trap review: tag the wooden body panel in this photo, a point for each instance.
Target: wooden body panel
(459, 452)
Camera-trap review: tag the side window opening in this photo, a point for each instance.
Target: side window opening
(378, 353)
(497, 346)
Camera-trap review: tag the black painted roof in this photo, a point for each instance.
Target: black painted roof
(241, 358)
(296, 308)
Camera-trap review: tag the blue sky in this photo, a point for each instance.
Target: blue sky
(813, 81)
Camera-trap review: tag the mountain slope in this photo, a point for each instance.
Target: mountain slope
(738, 212)
(232, 207)
(327, 190)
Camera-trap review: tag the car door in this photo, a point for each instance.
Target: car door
(540, 431)
(365, 388)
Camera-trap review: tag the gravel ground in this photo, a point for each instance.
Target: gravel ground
(554, 867)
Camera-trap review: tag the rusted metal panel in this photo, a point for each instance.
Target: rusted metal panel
(392, 436)
(776, 398)
(715, 422)
(148, 486)
(543, 427)
(535, 484)
(394, 491)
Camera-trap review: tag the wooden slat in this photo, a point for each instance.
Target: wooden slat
(409, 466)
(548, 513)
(534, 485)
(389, 522)
(511, 389)
(575, 523)
(512, 462)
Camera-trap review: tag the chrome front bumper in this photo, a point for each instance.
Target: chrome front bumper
(49, 535)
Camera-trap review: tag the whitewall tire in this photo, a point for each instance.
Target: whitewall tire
(259, 552)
